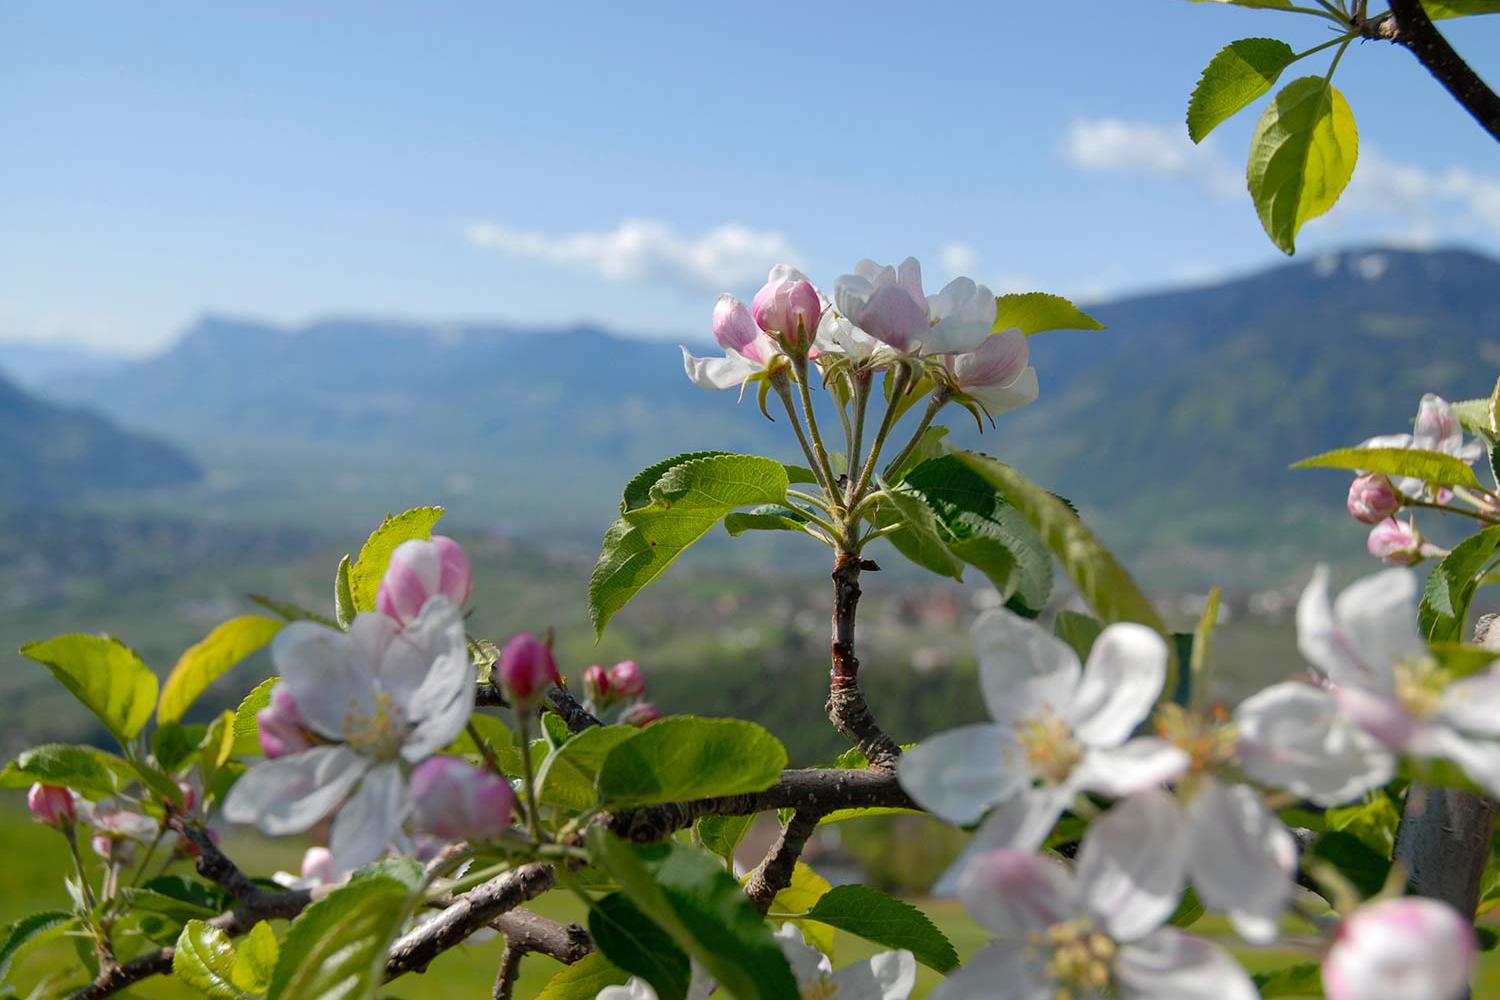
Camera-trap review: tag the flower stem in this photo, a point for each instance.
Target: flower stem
(799, 365)
(528, 776)
(901, 382)
(861, 381)
(935, 403)
(784, 391)
(485, 749)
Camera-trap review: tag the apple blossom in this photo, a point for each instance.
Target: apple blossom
(420, 568)
(280, 725)
(788, 307)
(526, 668)
(455, 800)
(596, 684)
(317, 871)
(1436, 428)
(626, 678)
(1373, 498)
(51, 804)
(995, 375)
(640, 714)
(1097, 931)
(748, 351)
(380, 695)
(1059, 729)
(888, 304)
(1401, 949)
(1395, 543)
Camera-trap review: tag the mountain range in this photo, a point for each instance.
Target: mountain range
(1175, 425)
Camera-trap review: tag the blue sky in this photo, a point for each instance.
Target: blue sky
(623, 162)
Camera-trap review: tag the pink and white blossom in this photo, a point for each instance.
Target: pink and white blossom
(888, 304)
(381, 696)
(748, 350)
(1373, 498)
(1059, 729)
(1401, 949)
(51, 805)
(626, 678)
(526, 668)
(419, 569)
(995, 375)
(1396, 543)
(455, 800)
(280, 725)
(1436, 428)
(317, 871)
(640, 715)
(788, 307)
(1093, 932)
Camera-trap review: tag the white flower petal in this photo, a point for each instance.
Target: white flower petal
(1473, 703)
(291, 793)
(808, 964)
(1294, 736)
(961, 773)
(370, 819)
(1121, 682)
(717, 373)
(1144, 762)
(1131, 866)
(1478, 758)
(1004, 962)
(1171, 965)
(442, 703)
(965, 314)
(1022, 822)
(1024, 670)
(1378, 614)
(1241, 858)
(635, 988)
(890, 975)
(998, 399)
(326, 676)
(1015, 893)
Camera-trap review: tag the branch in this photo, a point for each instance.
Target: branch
(846, 705)
(564, 704)
(1408, 25)
(471, 911)
(526, 932)
(775, 872)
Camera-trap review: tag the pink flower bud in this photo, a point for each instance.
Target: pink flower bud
(640, 715)
(1401, 949)
(52, 805)
(1372, 498)
(317, 866)
(1394, 543)
(458, 801)
(113, 849)
(787, 306)
(526, 668)
(189, 796)
(282, 728)
(596, 684)
(103, 845)
(626, 678)
(419, 570)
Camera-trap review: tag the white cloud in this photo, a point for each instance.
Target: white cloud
(648, 250)
(1428, 203)
(959, 259)
(1111, 145)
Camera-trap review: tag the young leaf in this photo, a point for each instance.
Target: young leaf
(28, 931)
(1428, 466)
(1301, 157)
(106, 675)
(918, 538)
(1036, 312)
(1241, 72)
(806, 888)
(255, 959)
(583, 980)
(684, 757)
(566, 777)
(874, 916)
(206, 661)
(178, 897)
(337, 946)
(246, 729)
(1439, 9)
(80, 768)
(289, 611)
(687, 893)
(1078, 630)
(375, 555)
(1305, 979)
(722, 835)
(766, 517)
(689, 499)
(1451, 585)
(637, 492)
(204, 960)
(631, 940)
(343, 594)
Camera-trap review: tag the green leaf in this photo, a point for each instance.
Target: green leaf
(82, 769)
(206, 661)
(1364, 867)
(343, 594)
(375, 555)
(204, 959)
(216, 755)
(684, 757)
(874, 916)
(687, 893)
(689, 499)
(1260, 4)
(1428, 466)
(794, 473)
(27, 931)
(1036, 312)
(1241, 72)
(1101, 580)
(801, 895)
(722, 835)
(1189, 910)
(1439, 9)
(1451, 585)
(1301, 157)
(291, 612)
(1078, 630)
(246, 729)
(766, 517)
(638, 491)
(178, 897)
(928, 447)
(583, 980)
(566, 777)
(337, 947)
(631, 940)
(918, 538)
(105, 674)
(255, 961)
(981, 528)
(174, 746)
(1305, 979)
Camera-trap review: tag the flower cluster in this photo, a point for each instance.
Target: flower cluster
(618, 694)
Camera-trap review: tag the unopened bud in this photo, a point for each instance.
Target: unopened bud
(526, 668)
(1395, 543)
(626, 678)
(317, 866)
(596, 684)
(640, 715)
(787, 307)
(421, 569)
(1372, 498)
(457, 801)
(1401, 949)
(52, 805)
